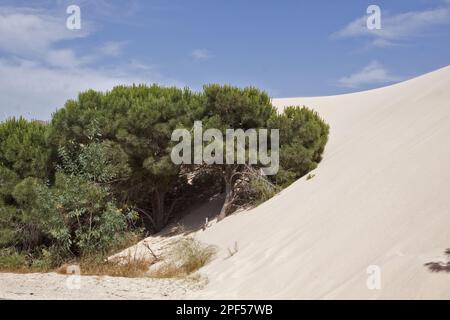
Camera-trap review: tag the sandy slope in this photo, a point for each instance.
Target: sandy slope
(380, 197)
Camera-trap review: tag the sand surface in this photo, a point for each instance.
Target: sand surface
(58, 287)
(380, 198)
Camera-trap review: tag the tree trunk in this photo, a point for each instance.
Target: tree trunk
(228, 177)
(160, 216)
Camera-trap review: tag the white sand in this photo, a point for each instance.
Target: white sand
(381, 196)
(58, 287)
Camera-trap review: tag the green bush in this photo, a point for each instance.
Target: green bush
(263, 190)
(67, 188)
(12, 260)
(76, 216)
(23, 148)
(80, 217)
(186, 256)
(138, 121)
(303, 136)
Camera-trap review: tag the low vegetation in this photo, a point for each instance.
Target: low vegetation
(129, 266)
(185, 257)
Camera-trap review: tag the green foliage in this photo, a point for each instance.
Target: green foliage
(66, 189)
(263, 190)
(19, 221)
(81, 218)
(186, 256)
(232, 107)
(303, 135)
(23, 148)
(11, 260)
(137, 121)
(100, 162)
(8, 179)
(24, 161)
(76, 216)
(228, 107)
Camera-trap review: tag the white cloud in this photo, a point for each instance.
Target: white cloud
(398, 27)
(39, 70)
(372, 74)
(64, 58)
(28, 31)
(35, 91)
(33, 35)
(112, 48)
(201, 54)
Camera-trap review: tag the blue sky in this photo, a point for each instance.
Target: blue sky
(288, 48)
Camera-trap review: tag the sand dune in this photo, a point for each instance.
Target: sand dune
(381, 196)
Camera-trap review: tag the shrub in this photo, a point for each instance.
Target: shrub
(76, 216)
(185, 257)
(67, 189)
(24, 149)
(11, 260)
(303, 136)
(264, 190)
(232, 107)
(24, 164)
(138, 120)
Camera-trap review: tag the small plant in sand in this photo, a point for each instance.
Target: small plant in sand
(310, 176)
(186, 256)
(232, 252)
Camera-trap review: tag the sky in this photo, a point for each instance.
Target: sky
(287, 48)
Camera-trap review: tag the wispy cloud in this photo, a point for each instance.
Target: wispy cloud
(201, 54)
(33, 35)
(34, 90)
(112, 48)
(372, 74)
(397, 27)
(36, 58)
(31, 31)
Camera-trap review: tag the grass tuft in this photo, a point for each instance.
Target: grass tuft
(129, 266)
(187, 256)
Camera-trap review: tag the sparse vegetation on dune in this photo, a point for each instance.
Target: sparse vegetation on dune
(186, 256)
(129, 267)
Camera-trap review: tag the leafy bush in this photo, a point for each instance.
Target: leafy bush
(23, 148)
(263, 190)
(11, 260)
(76, 216)
(236, 108)
(81, 218)
(24, 163)
(138, 120)
(303, 136)
(73, 189)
